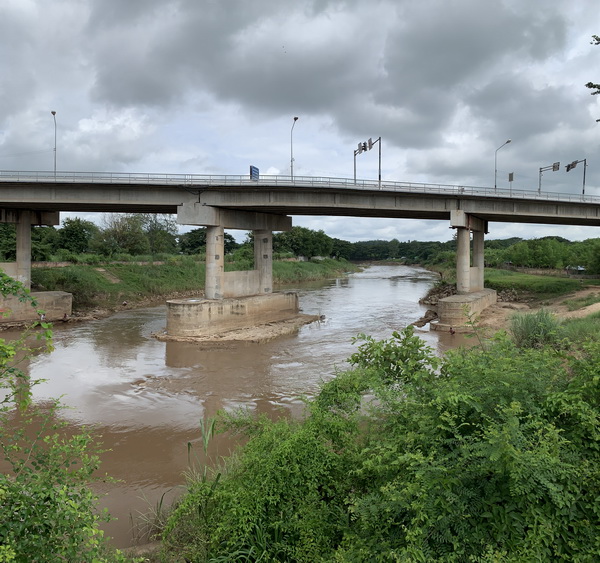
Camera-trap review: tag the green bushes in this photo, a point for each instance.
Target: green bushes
(485, 455)
(47, 512)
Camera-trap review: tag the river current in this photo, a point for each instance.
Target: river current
(146, 398)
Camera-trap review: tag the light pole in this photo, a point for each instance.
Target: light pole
(496, 163)
(54, 116)
(292, 148)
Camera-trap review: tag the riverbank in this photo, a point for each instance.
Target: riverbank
(526, 296)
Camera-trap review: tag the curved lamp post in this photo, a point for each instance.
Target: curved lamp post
(54, 116)
(292, 148)
(496, 162)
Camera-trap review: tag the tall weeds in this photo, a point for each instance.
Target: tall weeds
(535, 330)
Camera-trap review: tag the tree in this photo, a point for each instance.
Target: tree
(194, 242)
(161, 230)
(303, 242)
(8, 242)
(592, 85)
(121, 234)
(76, 234)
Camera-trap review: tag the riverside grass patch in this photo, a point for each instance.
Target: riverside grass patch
(540, 286)
(107, 285)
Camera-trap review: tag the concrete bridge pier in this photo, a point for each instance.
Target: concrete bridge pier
(455, 311)
(233, 300)
(215, 263)
(55, 304)
(469, 278)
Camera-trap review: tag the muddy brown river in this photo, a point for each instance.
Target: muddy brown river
(146, 398)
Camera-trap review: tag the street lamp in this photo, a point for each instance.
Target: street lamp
(292, 148)
(496, 163)
(54, 116)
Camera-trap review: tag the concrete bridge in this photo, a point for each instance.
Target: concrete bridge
(265, 205)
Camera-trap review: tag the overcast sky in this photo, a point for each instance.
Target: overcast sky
(212, 86)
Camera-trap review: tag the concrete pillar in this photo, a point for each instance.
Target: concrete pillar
(215, 263)
(263, 259)
(477, 272)
(463, 260)
(24, 248)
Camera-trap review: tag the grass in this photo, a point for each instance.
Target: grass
(134, 282)
(581, 302)
(541, 287)
(181, 274)
(535, 330)
(578, 330)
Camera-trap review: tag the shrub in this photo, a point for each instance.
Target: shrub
(535, 330)
(485, 455)
(47, 512)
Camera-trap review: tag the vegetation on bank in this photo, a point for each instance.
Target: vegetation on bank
(111, 284)
(48, 513)
(411, 457)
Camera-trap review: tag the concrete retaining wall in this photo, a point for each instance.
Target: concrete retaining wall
(454, 311)
(205, 317)
(242, 283)
(55, 305)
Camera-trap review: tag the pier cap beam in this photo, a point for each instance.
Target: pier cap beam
(37, 217)
(208, 216)
(461, 219)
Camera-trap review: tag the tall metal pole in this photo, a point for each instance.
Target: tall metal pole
(496, 163)
(292, 148)
(379, 141)
(54, 116)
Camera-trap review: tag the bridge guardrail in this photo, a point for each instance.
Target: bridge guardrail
(209, 180)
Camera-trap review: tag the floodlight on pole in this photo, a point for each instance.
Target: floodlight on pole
(292, 148)
(496, 162)
(54, 116)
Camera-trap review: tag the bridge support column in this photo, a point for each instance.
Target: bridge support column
(477, 271)
(215, 263)
(24, 248)
(468, 278)
(463, 260)
(263, 259)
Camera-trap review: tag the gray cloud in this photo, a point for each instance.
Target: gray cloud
(211, 86)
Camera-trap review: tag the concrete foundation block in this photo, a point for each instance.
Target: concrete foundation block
(454, 311)
(54, 304)
(206, 317)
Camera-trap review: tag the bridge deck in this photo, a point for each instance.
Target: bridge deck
(164, 193)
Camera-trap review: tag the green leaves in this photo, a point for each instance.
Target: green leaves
(485, 455)
(47, 511)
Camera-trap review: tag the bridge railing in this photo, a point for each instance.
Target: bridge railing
(210, 180)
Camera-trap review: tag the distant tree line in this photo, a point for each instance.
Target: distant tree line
(147, 234)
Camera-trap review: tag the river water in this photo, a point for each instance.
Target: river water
(146, 398)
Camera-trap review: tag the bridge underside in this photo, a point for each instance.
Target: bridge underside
(264, 209)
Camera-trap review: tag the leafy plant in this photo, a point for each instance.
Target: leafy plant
(489, 454)
(47, 512)
(535, 330)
